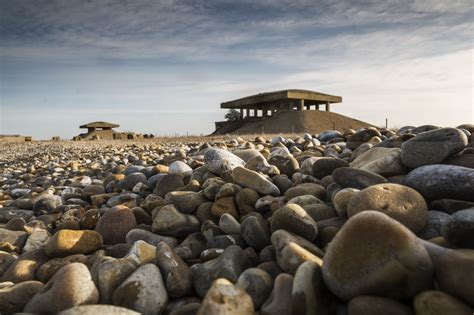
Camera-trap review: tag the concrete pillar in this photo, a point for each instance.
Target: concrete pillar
(301, 105)
(247, 113)
(328, 107)
(308, 107)
(241, 113)
(317, 106)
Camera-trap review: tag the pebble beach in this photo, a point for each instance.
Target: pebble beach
(366, 221)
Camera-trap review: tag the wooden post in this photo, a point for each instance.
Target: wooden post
(328, 106)
(241, 113)
(317, 106)
(386, 123)
(247, 113)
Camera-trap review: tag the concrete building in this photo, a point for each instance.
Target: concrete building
(265, 105)
(99, 130)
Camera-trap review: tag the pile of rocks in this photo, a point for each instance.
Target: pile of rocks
(361, 222)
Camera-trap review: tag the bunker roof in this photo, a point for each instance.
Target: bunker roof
(99, 124)
(269, 98)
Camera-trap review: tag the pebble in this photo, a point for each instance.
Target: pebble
(440, 181)
(295, 219)
(170, 222)
(220, 161)
(176, 273)
(114, 225)
(279, 301)
(382, 161)
(70, 286)
(225, 298)
(459, 229)
(399, 202)
(439, 302)
(69, 242)
(324, 166)
(374, 305)
(14, 298)
(432, 147)
(24, 268)
(352, 268)
(257, 283)
(348, 177)
(251, 179)
(143, 291)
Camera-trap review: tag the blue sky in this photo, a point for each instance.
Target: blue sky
(164, 67)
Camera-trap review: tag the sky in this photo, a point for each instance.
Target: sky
(164, 67)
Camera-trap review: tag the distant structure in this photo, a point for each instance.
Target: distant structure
(265, 105)
(15, 138)
(99, 130)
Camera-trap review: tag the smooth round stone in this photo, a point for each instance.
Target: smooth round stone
(382, 161)
(143, 291)
(306, 189)
(301, 201)
(219, 161)
(453, 272)
(324, 166)
(348, 177)
(251, 179)
(229, 224)
(247, 154)
(295, 219)
(434, 223)
(134, 178)
(14, 298)
(69, 242)
(465, 160)
(24, 268)
(177, 276)
(46, 204)
(228, 190)
(399, 202)
(171, 222)
(246, 199)
(211, 187)
(49, 268)
(292, 250)
(167, 183)
(185, 201)
(181, 168)
(341, 200)
(450, 206)
(225, 205)
(459, 229)
(355, 140)
(374, 305)
(6, 259)
(432, 147)
(260, 164)
(70, 286)
(387, 260)
(98, 309)
(257, 283)
(439, 302)
(16, 238)
(287, 165)
(320, 212)
(128, 200)
(307, 291)
(279, 301)
(225, 298)
(91, 190)
(192, 246)
(442, 181)
(229, 265)
(255, 232)
(142, 252)
(115, 223)
(16, 224)
(149, 237)
(108, 273)
(328, 135)
(224, 241)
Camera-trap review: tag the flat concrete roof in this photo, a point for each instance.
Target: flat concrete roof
(99, 124)
(269, 98)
